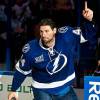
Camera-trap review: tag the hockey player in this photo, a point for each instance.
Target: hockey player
(51, 61)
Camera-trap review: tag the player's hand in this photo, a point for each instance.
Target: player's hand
(87, 13)
(12, 95)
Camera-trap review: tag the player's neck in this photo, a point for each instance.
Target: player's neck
(49, 44)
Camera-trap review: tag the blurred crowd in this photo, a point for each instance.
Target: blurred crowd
(24, 16)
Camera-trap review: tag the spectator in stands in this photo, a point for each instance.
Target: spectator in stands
(20, 12)
(64, 12)
(3, 34)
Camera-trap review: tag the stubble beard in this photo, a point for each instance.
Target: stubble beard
(49, 43)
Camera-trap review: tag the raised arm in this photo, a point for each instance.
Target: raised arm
(87, 13)
(88, 27)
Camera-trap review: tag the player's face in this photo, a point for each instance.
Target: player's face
(47, 33)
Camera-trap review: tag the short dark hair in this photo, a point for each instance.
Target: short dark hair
(47, 21)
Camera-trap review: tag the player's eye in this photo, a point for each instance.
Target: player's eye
(47, 31)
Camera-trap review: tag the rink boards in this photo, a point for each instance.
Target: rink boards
(25, 91)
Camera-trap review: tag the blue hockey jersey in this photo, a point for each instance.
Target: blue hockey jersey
(52, 68)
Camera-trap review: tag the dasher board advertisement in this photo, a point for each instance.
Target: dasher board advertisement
(92, 88)
(24, 92)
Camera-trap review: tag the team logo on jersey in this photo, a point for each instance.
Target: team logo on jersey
(56, 64)
(39, 59)
(26, 48)
(63, 29)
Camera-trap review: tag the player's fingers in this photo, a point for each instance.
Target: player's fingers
(85, 5)
(12, 97)
(84, 13)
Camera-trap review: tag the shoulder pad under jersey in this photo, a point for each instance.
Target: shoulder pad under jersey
(26, 48)
(63, 29)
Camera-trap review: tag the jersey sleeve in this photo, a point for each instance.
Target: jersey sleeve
(86, 32)
(23, 65)
(23, 68)
(89, 33)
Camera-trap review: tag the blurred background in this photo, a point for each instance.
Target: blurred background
(19, 24)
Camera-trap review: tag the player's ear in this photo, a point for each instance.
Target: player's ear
(55, 30)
